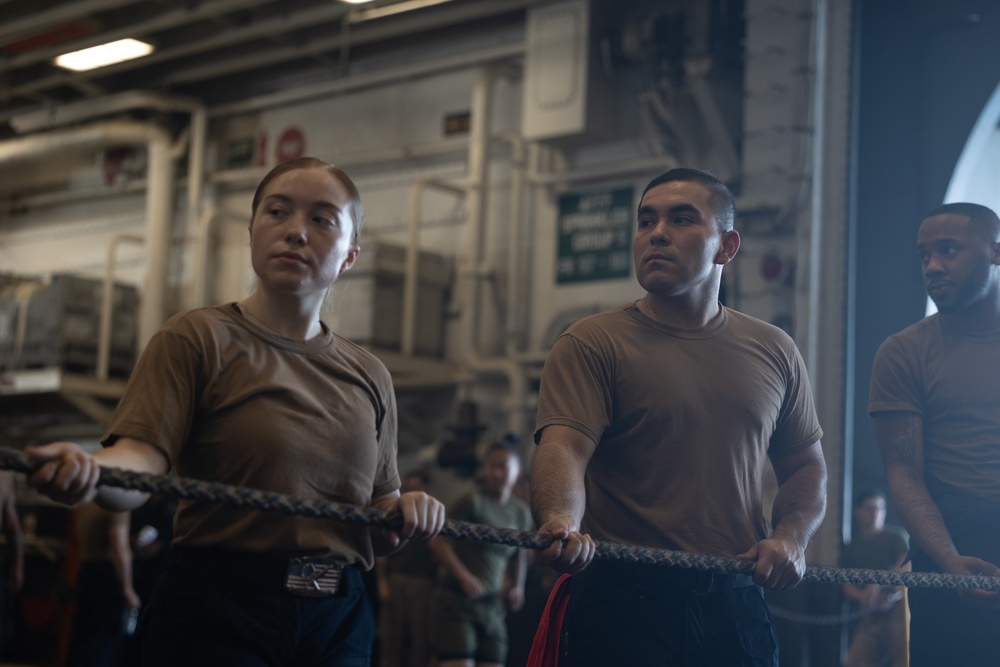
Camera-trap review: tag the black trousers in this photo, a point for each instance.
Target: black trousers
(98, 632)
(646, 616)
(212, 608)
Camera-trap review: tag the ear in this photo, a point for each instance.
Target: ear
(728, 248)
(352, 256)
(995, 252)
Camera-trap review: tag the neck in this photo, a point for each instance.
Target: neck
(870, 531)
(982, 317)
(288, 317)
(501, 496)
(680, 312)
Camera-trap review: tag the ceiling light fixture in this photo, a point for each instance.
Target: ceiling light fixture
(104, 55)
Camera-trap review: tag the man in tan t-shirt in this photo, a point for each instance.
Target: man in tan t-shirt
(935, 398)
(655, 422)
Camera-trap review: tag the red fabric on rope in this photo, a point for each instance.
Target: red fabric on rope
(545, 647)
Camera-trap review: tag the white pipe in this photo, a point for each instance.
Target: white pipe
(196, 163)
(479, 143)
(479, 164)
(23, 294)
(203, 235)
(108, 303)
(159, 213)
(411, 272)
(515, 336)
(199, 260)
(90, 136)
(90, 109)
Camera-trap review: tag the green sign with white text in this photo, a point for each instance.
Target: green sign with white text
(594, 236)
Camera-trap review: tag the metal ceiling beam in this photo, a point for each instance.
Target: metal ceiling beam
(13, 30)
(166, 21)
(363, 34)
(353, 82)
(333, 12)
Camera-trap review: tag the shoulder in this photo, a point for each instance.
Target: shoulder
(198, 320)
(915, 336)
(363, 361)
(600, 323)
(896, 534)
(197, 326)
(742, 324)
(764, 340)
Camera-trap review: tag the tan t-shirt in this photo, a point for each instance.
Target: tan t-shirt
(230, 402)
(951, 380)
(684, 422)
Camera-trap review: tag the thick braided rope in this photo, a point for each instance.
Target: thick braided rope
(269, 501)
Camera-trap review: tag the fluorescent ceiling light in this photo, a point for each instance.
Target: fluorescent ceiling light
(104, 55)
(356, 2)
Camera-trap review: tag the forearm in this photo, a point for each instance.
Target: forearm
(901, 443)
(128, 454)
(557, 489)
(121, 557)
(382, 544)
(520, 568)
(919, 514)
(800, 504)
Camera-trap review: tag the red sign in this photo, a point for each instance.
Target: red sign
(291, 145)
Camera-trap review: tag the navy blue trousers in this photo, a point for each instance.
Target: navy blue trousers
(647, 615)
(211, 608)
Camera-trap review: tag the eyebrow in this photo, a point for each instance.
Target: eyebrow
(937, 242)
(678, 208)
(288, 200)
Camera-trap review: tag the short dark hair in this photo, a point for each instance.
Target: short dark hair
(511, 442)
(356, 209)
(864, 495)
(979, 215)
(723, 204)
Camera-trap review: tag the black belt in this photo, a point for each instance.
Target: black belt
(311, 576)
(662, 577)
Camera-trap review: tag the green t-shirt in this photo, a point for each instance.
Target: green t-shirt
(487, 562)
(879, 552)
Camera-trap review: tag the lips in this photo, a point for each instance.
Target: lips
(294, 256)
(937, 286)
(657, 257)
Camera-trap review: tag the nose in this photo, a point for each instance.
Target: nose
(658, 235)
(933, 266)
(295, 229)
